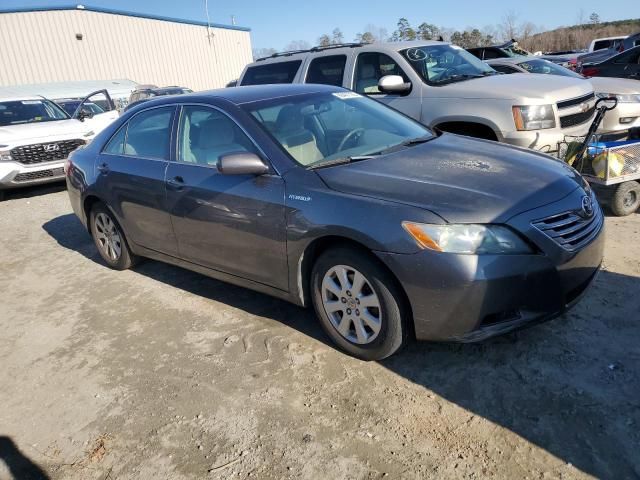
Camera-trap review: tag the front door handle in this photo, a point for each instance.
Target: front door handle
(176, 183)
(103, 167)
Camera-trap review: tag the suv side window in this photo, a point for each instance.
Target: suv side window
(149, 133)
(370, 68)
(327, 70)
(281, 72)
(205, 134)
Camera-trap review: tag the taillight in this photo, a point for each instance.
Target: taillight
(67, 166)
(590, 71)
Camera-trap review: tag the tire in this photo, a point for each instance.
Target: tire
(626, 199)
(109, 238)
(368, 332)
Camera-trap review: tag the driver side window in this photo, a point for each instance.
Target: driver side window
(370, 68)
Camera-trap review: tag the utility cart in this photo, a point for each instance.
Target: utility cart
(611, 168)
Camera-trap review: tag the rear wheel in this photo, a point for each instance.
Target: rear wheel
(358, 304)
(109, 238)
(626, 199)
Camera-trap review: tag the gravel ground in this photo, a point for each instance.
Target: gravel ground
(159, 373)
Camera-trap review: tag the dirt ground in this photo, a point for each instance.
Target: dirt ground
(161, 373)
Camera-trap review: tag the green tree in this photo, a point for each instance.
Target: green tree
(404, 31)
(594, 18)
(324, 40)
(427, 31)
(366, 37)
(338, 37)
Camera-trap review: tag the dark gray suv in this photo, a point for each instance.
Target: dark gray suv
(321, 196)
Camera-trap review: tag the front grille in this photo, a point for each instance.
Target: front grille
(577, 118)
(45, 152)
(29, 177)
(570, 230)
(576, 101)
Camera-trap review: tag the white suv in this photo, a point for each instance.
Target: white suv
(443, 86)
(37, 136)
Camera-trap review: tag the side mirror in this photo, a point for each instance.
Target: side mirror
(242, 163)
(393, 84)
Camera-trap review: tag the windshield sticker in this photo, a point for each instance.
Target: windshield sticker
(416, 54)
(31, 102)
(346, 95)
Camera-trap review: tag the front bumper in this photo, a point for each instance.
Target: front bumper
(472, 297)
(611, 121)
(544, 140)
(15, 175)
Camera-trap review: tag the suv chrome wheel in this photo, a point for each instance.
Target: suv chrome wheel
(108, 237)
(351, 304)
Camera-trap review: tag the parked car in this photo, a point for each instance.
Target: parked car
(599, 56)
(36, 136)
(605, 43)
(626, 115)
(145, 92)
(444, 87)
(622, 65)
(275, 188)
(506, 50)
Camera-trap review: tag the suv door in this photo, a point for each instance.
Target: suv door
(97, 110)
(370, 68)
(230, 223)
(131, 177)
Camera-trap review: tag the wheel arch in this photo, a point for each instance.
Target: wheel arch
(320, 245)
(462, 127)
(87, 204)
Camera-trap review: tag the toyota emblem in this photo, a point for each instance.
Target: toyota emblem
(587, 207)
(51, 147)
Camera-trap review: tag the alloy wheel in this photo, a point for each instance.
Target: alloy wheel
(351, 304)
(109, 239)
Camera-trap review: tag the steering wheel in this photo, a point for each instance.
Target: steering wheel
(354, 134)
(449, 70)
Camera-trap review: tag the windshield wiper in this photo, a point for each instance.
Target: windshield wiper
(407, 143)
(338, 161)
(457, 78)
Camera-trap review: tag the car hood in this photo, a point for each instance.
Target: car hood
(615, 85)
(43, 130)
(516, 86)
(460, 179)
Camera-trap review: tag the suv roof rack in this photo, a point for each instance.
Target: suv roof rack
(318, 48)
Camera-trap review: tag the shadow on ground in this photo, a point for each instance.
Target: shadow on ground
(18, 464)
(570, 386)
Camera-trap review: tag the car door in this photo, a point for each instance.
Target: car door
(97, 110)
(131, 178)
(230, 223)
(370, 67)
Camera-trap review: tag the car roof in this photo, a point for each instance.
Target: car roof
(248, 94)
(17, 98)
(337, 50)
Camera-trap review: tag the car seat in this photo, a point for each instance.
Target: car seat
(216, 137)
(367, 79)
(295, 138)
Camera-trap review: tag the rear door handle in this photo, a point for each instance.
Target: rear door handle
(103, 167)
(176, 183)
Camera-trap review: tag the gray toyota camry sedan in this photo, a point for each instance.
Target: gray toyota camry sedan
(323, 197)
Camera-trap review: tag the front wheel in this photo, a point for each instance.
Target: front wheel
(358, 304)
(626, 199)
(109, 238)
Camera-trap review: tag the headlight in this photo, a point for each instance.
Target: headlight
(5, 156)
(89, 134)
(622, 98)
(534, 117)
(467, 238)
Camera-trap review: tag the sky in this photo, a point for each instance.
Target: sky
(275, 23)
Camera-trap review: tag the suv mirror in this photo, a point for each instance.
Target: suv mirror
(242, 163)
(393, 84)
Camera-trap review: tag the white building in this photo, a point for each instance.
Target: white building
(73, 43)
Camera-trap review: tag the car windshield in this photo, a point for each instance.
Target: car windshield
(30, 111)
(547, 67)
(442, 64)
(320, 129)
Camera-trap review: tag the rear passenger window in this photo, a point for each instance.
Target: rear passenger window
(149, 133)
(281, 72)
(116, 144)
(327, 70)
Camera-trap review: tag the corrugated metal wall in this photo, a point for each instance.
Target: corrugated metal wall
(41, 46)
